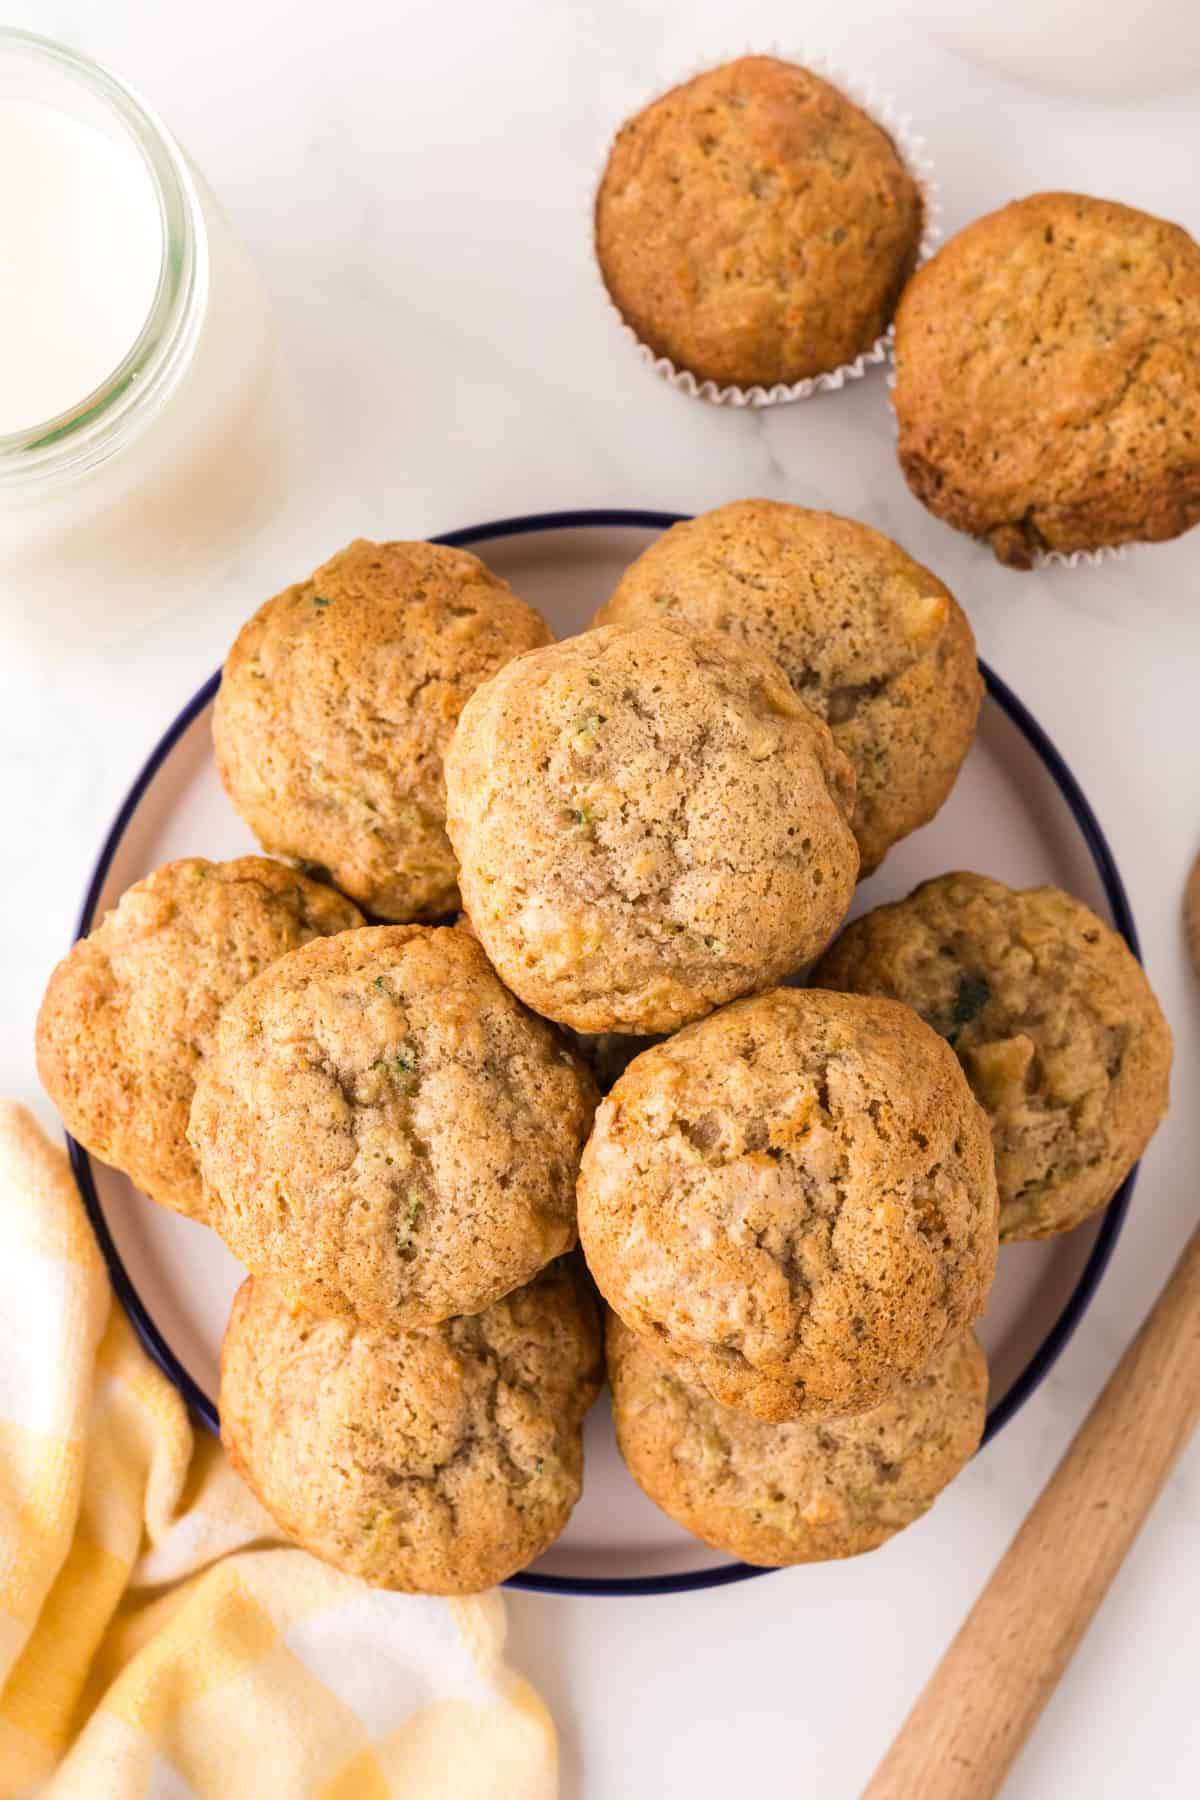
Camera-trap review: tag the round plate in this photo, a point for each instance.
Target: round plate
(1016, 813)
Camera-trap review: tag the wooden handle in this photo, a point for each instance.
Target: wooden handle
(987, 1693)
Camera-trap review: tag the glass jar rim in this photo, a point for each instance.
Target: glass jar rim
(89, 432)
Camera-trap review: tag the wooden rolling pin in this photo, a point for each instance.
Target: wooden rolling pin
(988, 1691)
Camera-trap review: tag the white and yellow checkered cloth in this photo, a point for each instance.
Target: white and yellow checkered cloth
(156, 1638)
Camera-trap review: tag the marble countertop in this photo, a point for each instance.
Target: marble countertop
(413, 182)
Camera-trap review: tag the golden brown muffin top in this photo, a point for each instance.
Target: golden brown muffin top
(780, 1494)
(793, 1200)
(436, 1461)
(647, 825)
(336, 704)
(130, 1014)
(386, 1134)
(873, 643)
(1048, 378)
(755, 226)
(1050, 1015)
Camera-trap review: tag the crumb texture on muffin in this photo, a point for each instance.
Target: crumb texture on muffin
(794, 1493)
(386, 1133)
(755, 226)
(793, 1201)
(647, 826)
(336, 704)
(1050, 1015)
(434, 1461)
(1048, 378)
(131, 1012)
(873, 643)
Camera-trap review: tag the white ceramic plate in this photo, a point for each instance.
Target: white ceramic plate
(1016, 813)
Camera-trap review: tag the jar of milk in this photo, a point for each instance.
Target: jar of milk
(146, 427)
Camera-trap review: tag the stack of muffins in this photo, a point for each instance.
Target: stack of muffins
(791, 1199)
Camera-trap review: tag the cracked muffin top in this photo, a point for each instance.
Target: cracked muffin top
(386, 1133)
(336, 704)
(755, 226)
(1048, 378)
(779, 1494)
(1051, 1017)
(130, 1014)
(435, 1461)
(871, 641)
(647, 826)
(793, 1202)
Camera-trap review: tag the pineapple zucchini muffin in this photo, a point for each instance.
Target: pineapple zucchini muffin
(793, 1202)
(871, 641)
(755, 226)
(131, 1013)
(435, 1461)
(337, 701)
(779, 1494)
(386, 1134)
(647, 826)
(1051, 1017)
(1048, 378)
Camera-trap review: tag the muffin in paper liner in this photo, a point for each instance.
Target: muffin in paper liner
(1096, 455)
(909, 147)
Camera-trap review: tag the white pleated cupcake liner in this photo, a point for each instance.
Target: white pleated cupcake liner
(1082, 559)
(883, 111)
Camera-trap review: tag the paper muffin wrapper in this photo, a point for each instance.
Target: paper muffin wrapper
(910, 148)
(1081, 559)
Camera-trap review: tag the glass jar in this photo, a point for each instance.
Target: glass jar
(120, 505)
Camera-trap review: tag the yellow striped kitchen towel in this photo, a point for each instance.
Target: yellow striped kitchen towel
(156, 1637)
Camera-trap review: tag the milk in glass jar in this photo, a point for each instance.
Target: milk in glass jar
(146, 426)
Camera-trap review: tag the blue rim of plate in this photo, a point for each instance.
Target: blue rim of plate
(1052, 1345)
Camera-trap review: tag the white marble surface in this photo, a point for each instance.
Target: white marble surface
(413, 182)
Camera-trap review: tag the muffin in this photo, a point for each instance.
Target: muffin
(793, 1202)
(336, 704)
(647, 826)
(755, 226)
(435, 1461)
(779, 1494)
(1051, 1017)
(130, 1014)
(871, 641)
(1048, 378)
(386, 1133)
